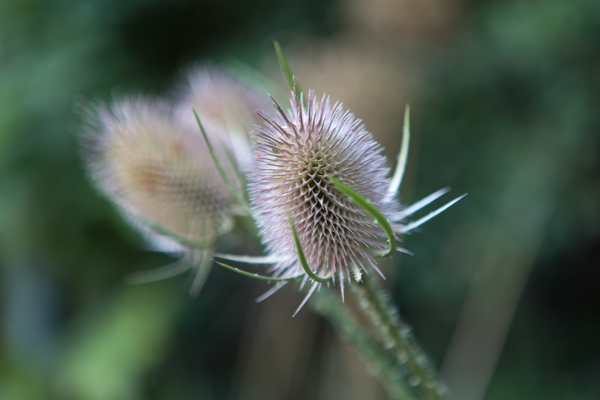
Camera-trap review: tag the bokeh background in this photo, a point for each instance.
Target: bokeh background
(503, 290)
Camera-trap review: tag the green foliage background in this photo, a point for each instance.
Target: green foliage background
(506, 107)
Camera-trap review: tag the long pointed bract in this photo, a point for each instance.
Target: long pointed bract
(310, 293)
(158, 274)
(366, 205)
(271, 291)
(236, 193)
(257, 276)
(286, 70)
(302, 258)
(251, 259)
(402, 156)
(419, 204)
(421, 221)
(201, 269)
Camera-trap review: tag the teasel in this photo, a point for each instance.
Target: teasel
(326, 210)
(321, 196)
(297, 156)
(224, 99)
(157, 170)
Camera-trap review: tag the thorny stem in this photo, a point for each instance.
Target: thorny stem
(382, 365)
(397, 336)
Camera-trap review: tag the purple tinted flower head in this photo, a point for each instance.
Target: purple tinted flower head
(296, 155)
(158, 172)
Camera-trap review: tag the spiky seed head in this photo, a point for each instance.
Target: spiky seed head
(222, 99)
(295, 154)
(158, 171)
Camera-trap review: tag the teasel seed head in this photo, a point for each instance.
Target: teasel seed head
(296, 155)
(158, 172)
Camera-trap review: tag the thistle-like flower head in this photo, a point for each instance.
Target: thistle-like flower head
(295, 156)
(158, 171)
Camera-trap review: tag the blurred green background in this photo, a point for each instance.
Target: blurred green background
(504, 287)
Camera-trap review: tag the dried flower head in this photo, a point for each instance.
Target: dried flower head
(296, 155)
(158, 171)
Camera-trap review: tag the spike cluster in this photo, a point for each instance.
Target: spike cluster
(296, 155)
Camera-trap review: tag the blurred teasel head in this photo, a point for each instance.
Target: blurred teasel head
(224, 100)
(158, 171)
(298, 156)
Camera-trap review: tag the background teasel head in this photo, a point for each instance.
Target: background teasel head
(158, 171)
(221, 99)
(296, 155)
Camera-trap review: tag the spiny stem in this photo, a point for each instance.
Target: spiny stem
(397, 336)
(384, 367)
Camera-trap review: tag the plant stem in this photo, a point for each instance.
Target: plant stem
(397, 337)
(383, 366)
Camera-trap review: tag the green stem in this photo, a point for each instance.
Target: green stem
(397, 336)
(385, 368)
